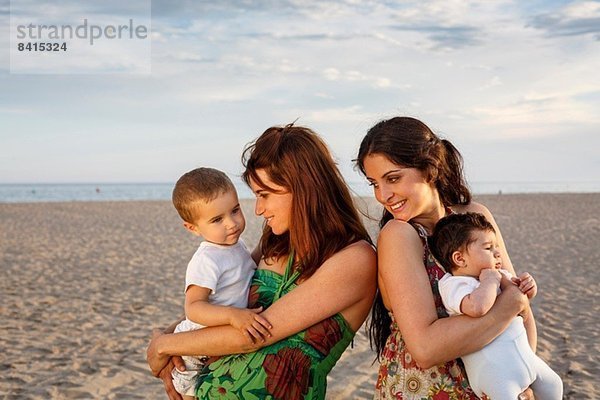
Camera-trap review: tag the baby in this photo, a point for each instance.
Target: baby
(218, 276)
(466, 245)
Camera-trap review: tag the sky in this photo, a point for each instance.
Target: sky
(514, 85)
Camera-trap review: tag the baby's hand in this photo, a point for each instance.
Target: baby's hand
(490, 275)
(251, 324)
(507, 279)
(527, 285)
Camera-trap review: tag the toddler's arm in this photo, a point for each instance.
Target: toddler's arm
(480, 300)
(200, 311)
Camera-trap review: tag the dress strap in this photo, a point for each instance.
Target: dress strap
(288, 278)
(421, 229)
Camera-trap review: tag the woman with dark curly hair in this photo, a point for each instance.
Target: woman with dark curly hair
(418, 178)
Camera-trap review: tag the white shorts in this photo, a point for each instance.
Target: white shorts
(185, 382)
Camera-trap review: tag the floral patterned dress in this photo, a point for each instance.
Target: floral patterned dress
(400, 377)
(293, 368)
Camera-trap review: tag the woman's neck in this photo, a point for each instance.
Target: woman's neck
(431, 217)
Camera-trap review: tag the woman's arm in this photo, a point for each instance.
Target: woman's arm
(345, 283)
(530, 328)
(199, 310)
(430, 340)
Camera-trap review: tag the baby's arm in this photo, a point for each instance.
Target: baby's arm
(480, 300)
(200, 311)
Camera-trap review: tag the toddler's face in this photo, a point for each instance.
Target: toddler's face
(481, 253)
(221, 220)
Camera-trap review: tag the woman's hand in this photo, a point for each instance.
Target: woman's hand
(156, 361)
(516, 298)
(162, 366)
(167, 378)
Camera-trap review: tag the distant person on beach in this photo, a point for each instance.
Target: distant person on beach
(418, 178)
(316, 280)
(218, 276)
(467, 247)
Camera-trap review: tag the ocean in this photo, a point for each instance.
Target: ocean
(45, 192)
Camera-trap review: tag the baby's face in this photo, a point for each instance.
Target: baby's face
(481, 253)
(221, 220)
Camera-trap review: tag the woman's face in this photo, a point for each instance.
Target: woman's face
(404, 192)
(274, 205)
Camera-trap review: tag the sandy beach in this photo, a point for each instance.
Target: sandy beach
(84, 283)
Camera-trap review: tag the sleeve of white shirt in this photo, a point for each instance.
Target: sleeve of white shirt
(453, 290)
(202, 271)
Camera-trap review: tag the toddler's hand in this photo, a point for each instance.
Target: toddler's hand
(251, 324)
(527, 284)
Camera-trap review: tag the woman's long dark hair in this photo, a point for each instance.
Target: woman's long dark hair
(410, 143)
(323, 217)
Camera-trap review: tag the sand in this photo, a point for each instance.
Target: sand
(83, 284)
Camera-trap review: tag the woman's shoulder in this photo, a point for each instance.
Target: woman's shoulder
(399, 234)
(360, 248)
(354, 265)
(354, 257)
(471, 207)
(395, 229)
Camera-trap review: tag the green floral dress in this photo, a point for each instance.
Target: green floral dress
(293, 368)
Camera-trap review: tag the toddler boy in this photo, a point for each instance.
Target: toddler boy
(218, 276)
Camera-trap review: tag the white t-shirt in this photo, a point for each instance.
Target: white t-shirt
(454, 288)
(225, 270)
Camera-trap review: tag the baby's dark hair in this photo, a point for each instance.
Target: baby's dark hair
(199, 185)
(453, 233)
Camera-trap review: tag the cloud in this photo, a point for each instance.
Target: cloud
(15, 110)
(192, 57)
(223, 8)
(573, 20)
(536, 114)
(446, 37)
(68, 10)
(306, 37)
(340, 65)
(353, 113)
(449, 24)
(495, 81)
(333, 74)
